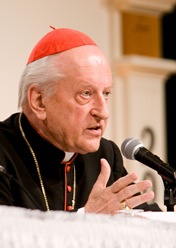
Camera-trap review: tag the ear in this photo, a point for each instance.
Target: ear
(35, 100)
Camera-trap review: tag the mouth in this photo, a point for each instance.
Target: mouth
(96, 130)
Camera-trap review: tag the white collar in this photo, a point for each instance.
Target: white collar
(68, 156)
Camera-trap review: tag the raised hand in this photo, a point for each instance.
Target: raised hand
(121, 193)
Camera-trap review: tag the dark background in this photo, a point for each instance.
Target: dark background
(168, 23)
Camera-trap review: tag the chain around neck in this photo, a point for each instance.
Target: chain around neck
(38, 169)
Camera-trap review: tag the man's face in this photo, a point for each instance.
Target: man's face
(76, 116)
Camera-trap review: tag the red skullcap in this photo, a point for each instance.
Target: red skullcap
(59, 40)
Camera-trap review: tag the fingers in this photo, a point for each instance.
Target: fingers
(104, 174)
(133, 189)
(137, 200)
(123, 182)
(125, 191)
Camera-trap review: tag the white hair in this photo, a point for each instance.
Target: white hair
(43, 72)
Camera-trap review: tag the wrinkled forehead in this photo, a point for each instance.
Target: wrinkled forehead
(82, 55)
(86, 64)
(85, 59)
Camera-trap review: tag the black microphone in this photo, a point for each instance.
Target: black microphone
(3, 172)
(133, 149)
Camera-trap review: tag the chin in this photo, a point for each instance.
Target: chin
(91, 148)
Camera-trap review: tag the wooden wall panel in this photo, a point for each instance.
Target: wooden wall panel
(141, 34)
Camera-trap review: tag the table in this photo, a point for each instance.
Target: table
(24, 228)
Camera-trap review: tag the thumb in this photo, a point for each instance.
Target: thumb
(95, 201)
(104, 174)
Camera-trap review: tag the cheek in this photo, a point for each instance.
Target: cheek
(77, 120)
(67, 115)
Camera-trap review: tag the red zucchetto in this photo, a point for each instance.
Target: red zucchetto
(59, 40)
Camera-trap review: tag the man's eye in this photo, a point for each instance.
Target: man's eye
(107, 94)
(86, 93)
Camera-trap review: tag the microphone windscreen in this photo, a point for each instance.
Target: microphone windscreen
(129, 147)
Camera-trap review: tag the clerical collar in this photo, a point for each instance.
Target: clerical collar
(68, 156)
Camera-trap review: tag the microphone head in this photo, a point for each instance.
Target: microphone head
(130, 147)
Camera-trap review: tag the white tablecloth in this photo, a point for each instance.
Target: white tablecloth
(21, 228)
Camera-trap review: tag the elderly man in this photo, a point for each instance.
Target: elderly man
(52, 153)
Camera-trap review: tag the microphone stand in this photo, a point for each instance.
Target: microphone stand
(169, 195)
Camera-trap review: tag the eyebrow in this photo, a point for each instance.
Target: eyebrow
(86, 83)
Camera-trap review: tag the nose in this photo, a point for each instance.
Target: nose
(100, 108)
